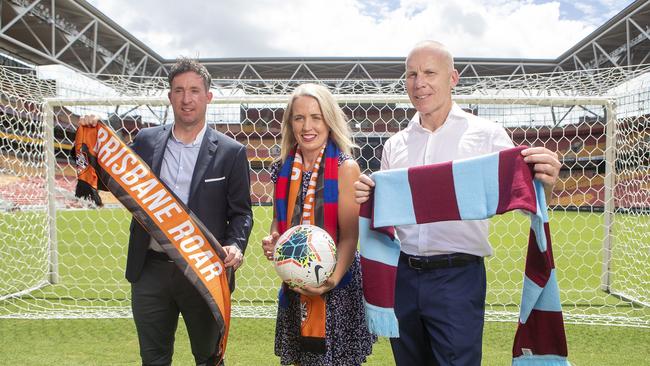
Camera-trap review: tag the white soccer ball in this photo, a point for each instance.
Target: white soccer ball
(304, 255)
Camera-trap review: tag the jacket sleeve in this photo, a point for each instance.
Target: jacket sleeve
(239, 212)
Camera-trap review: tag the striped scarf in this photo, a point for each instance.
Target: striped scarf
(296, 186)
(330, 194)
(471, 189)
(290, 210)
(103, 158)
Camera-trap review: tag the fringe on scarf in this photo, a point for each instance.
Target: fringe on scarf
(469, 189)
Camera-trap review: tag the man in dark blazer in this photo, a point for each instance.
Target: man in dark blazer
(209, 172)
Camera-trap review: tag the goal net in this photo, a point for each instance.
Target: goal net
(63, 257)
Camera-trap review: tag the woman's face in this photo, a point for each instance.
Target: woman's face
(308, 125)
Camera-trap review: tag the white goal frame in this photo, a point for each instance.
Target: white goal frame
(581, 306)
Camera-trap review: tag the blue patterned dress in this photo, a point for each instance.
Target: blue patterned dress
(347, 338)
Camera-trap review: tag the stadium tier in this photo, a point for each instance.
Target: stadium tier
(580, 147)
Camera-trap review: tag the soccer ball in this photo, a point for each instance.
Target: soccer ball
(304, 255)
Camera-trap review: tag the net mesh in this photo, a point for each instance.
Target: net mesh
(64, 258)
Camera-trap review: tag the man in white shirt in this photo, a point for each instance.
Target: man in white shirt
(441, 285)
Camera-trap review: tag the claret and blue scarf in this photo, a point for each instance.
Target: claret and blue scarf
(470, 189)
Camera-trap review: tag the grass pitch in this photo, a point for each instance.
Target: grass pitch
(92, 254)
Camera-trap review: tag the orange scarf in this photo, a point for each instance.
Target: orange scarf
(296, 186)
(312, 327)
(313, 308)
(102, 155)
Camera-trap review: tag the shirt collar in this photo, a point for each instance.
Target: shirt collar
(197, 140)
(455, 113)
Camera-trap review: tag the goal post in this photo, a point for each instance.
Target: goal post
(74, 267)
(610, 156)
(50, 163)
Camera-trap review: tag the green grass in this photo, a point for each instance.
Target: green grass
(114, 342)
(92, 253)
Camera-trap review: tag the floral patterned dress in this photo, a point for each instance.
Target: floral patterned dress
(347, 338)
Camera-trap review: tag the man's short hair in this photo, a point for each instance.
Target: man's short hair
(185, 64)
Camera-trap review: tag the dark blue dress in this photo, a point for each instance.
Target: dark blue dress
(347, 337)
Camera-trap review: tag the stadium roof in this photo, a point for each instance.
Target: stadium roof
(327, 68)
(74, 33)
(623, 40)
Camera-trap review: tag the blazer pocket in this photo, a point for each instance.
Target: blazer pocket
(214, 179)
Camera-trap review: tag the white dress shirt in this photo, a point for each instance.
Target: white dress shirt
(177, 169)
(462, 135)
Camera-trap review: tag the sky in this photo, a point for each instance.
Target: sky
(358, 28)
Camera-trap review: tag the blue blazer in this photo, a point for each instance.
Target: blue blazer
(223, 205)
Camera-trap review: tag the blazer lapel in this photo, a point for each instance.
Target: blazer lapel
(203, 161)
(159, 149)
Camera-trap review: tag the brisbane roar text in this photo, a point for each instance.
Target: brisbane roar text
(135, 176)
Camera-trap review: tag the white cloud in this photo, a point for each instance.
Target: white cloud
(354, 28)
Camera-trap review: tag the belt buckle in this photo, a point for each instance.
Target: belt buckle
(415, 263)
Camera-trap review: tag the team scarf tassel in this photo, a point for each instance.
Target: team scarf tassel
(103, 158)
(287, 189)
(470, 189)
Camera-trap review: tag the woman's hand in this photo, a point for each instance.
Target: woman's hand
(268, 244)
(327, 286)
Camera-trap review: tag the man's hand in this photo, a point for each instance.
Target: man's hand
(89, 120)
(362, 188)
(268, 244)
(234, 257)
(547, 166)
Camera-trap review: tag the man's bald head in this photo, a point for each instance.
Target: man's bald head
(435, 48)
(430, 79)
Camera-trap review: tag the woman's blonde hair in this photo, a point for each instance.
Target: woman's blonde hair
(333, 116)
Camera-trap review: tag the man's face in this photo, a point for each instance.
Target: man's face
(189, 99)
(429, 80)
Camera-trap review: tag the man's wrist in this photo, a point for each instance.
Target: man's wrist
(231, 245)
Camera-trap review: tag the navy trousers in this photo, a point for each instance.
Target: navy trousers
(440, 313)
(157, 298)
